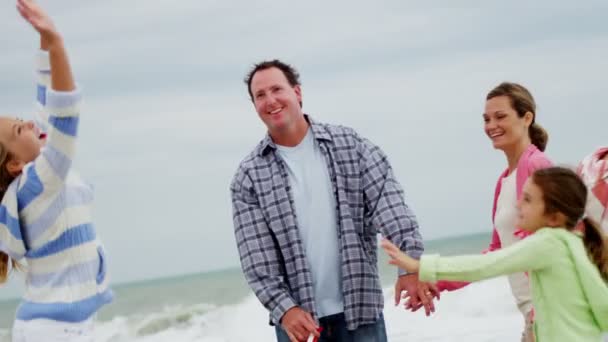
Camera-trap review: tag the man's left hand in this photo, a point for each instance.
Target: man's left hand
(418, 294)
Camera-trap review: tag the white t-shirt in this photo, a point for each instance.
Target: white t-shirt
(505, 219)
(315, 208)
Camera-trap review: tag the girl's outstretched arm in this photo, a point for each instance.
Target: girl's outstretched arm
(61, 103)
(61, 72)
(533, 253)
(398, 258)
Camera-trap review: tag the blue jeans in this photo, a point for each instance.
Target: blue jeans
(334, 330)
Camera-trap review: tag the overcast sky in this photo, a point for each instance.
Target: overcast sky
(167, 117)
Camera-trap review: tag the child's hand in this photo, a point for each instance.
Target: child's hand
(40, 21)
(398, 258)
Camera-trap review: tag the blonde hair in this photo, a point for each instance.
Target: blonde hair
(5, 180)
(5, 269)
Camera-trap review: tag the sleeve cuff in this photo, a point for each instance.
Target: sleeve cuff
(42, 61)
(62, 99)
(285, 303)
(428, 268)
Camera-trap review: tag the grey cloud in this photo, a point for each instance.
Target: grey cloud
(167, 118)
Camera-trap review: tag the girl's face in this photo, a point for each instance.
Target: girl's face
(531, 207)
(22, 139)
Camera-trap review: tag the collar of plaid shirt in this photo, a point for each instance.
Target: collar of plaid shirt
(319, 132)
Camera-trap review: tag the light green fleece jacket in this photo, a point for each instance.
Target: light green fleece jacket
(570, 297)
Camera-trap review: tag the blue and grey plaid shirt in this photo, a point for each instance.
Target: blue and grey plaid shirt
(368, 200)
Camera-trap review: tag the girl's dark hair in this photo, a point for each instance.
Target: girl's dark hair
(522, 101)
(564, 192)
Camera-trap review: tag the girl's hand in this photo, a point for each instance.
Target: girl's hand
(40, 21)
(398, 258)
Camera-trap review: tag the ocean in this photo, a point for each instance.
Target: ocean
(218, 306)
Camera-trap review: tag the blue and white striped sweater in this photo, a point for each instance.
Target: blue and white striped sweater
(45, 216)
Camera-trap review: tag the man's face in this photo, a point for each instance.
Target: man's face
(276, 101)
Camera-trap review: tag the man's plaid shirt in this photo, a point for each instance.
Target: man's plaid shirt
(368, 200)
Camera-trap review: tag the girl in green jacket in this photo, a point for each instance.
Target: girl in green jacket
(568, 269)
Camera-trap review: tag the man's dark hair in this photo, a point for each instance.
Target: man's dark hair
(292, 75)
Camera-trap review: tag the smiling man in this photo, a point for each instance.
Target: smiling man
(308, 203)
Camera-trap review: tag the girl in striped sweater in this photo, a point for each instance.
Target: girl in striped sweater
(45, 213)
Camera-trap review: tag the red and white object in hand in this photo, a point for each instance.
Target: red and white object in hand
(312, 337)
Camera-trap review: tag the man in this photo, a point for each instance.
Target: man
(308, 203)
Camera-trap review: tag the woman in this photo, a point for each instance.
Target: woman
(510, 123)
